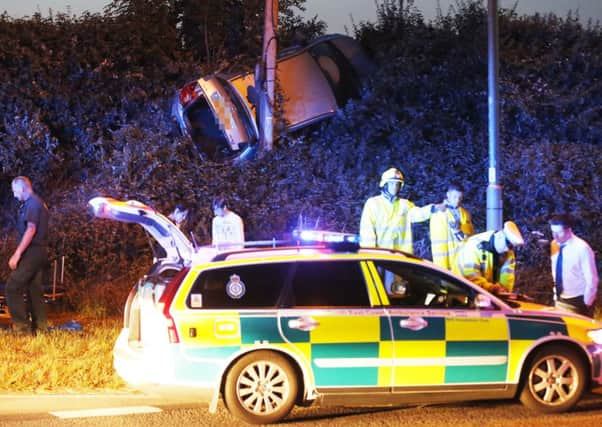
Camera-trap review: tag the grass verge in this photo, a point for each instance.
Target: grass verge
(61, 361)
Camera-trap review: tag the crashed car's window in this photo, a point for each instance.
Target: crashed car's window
(356, 56)
(247, 286)
(338, 71)
(239, 105)
(409, 285)
(206, 132)
(329, 284)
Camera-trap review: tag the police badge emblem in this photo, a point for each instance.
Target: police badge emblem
(235, 288)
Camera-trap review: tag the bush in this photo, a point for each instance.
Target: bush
(87, 114)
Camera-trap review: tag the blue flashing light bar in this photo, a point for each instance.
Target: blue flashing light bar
(322, 236)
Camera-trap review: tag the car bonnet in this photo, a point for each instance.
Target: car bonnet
(177, 247)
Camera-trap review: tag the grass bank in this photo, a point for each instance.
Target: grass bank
(61, 361)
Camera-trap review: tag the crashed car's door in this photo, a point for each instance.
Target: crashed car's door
(308, 96)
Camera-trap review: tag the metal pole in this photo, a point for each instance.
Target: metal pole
(494, 189)
(269, 60)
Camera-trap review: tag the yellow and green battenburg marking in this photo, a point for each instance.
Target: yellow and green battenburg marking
(371, 350)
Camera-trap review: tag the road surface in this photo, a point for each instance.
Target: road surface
(134, 409)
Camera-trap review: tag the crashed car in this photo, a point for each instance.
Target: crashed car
(218, 112)
(331, 323)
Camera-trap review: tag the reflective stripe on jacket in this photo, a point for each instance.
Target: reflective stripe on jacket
(447, 234)
(475, 262)
(388, 224)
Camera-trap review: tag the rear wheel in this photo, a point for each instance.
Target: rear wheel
(554, 381)
(261, 388)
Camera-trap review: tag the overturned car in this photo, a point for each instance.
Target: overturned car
(219, 112)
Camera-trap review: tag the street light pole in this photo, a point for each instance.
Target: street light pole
(269, 63)
(494, 189)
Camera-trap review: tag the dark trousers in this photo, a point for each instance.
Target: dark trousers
(27, 279)
(574, 305)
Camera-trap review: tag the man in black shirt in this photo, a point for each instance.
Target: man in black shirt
(28, 261)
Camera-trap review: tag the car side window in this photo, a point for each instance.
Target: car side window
(329, 284)
(237, 287)
(411, 285)
(337, 70)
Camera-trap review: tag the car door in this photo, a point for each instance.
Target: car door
(442, 339)
(226, 310)
(335, 322)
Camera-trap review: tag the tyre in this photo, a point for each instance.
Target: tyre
(554, 381)
(261, 387)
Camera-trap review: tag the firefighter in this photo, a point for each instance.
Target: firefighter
(450, 228)
(487, 259)
(387, 218)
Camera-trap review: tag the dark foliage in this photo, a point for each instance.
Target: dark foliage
(85, 106)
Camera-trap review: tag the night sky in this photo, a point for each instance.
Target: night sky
(336, 13)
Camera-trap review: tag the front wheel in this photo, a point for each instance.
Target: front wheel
(261, 388)
(555, 380)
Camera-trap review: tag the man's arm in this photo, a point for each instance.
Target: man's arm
(467, 227)
(590, 274)
(367, 232)
(214, 237)
(30, 231)
(508, 272)
(419, 214)
(240, 238)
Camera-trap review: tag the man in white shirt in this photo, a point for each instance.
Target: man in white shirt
(227, 229)
(573, 268)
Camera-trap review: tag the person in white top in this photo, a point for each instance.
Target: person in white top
(573, 268)
(227, 229)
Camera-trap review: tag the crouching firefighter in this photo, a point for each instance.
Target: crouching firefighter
(488, 260)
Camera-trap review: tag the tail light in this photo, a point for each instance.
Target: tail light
(189, 93)
(165, 301)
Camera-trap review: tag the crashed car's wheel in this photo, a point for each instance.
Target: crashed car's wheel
(261, 387)
(554, 381)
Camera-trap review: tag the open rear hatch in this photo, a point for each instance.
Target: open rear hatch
(175, 244)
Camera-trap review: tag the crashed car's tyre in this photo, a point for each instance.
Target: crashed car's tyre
(261, 388)
(554, 381)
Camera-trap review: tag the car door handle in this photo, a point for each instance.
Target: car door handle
(413, 323)
(303, 323)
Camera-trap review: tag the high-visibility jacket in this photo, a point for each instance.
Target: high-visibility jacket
(476, 260)
(387, 223)
(448, 230)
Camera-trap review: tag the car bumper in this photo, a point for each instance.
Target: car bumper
(595, 352)
(152, 370)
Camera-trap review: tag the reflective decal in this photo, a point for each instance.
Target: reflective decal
(196, 300)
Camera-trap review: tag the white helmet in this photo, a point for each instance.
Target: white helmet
(390, 175)
(513, 234)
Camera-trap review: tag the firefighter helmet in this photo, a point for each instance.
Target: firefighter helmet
(513, 234)
(390, 175)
